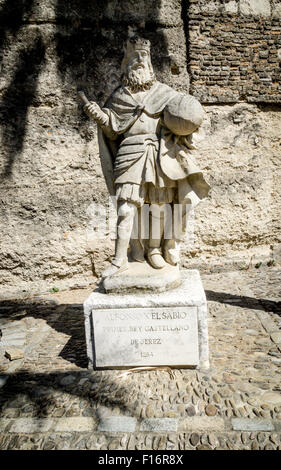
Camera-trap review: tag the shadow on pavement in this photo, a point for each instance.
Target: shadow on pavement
(36, 395)
(244, 301)
(67, 319)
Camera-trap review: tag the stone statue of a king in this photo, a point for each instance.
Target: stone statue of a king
(145, 141)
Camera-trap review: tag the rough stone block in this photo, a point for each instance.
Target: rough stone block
(117, 424)
(255, 7)
(74, 424)
(269, 326)
(4, 424)
(273, 398)
(277, 425)
(276, 10)
(14, 353)
(202, 423)
(231, 7)
(17, 344)
(159, 425)
(31, 425)
(246, 424)
(276, 337)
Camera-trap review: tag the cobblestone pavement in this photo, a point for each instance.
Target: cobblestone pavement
(50, 400)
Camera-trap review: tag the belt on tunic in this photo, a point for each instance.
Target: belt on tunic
(137, 143)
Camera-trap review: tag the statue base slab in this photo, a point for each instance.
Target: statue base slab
(141, 276)
(149, 328)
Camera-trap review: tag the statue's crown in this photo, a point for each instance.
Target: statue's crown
(137, 43)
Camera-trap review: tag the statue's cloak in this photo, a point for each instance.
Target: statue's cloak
(175, 156)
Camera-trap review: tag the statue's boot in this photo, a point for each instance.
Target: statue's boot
(120, 260)
(171, 252)
(115, 268)
(155, 258)
(125, 222)
(156, 227)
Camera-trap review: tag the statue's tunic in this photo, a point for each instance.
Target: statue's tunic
(145, 155)
(137, 171)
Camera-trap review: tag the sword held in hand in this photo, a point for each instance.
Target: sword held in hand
(92, 109)
(102, 119)
(83, 97)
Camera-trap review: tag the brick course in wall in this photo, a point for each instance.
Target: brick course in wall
(232, 56)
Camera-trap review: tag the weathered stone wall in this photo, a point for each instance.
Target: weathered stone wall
(235, 50)
(239, 149)
(50, 169)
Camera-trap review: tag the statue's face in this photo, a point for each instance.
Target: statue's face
(138, 66)
(138, 60)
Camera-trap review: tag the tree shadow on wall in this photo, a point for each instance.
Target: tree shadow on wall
(16, 100)
(88, 38)
(13, 14)
(21, 90)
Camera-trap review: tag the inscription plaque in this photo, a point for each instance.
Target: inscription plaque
(154, 336)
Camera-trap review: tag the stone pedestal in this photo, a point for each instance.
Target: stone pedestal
(142, 277)
(149, 328)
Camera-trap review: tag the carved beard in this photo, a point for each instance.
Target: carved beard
(139, 79)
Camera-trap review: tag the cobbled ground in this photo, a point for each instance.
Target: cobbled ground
(50, 400)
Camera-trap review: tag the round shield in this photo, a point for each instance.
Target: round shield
(183, 114)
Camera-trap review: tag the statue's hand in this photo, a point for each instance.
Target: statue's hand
(93, 110)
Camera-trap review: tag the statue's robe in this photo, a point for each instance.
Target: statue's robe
(174, 153)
